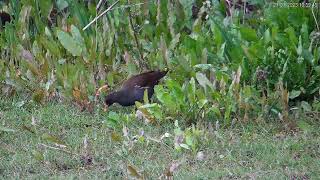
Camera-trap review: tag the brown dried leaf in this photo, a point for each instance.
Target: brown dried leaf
(76, 93)
(38, 96)
(52, 139)
(133, 172)
(28, 129)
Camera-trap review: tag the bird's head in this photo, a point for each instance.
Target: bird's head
(110, 99)
(115, 97)
(107, 99)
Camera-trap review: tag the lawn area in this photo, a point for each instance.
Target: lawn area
(208, 89)
(57, 140)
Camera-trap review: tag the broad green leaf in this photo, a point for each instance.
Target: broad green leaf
(187, 6)
(45, 7)
(218, 37)
(132, 68)
(197, 25)
(180, 11)
(69, 43)
(192, 90)
(299, 48)
(221, 51)
(165, 98)
(117, 16)
(113, 116)
(147, 106)
(203, 80)
(145, 96)
(204, 66)
(185, 146)
(267, 36)
(47, 32)
(204, 59)
(76, 35)
(248, 34)
(292, 36)
(62, 4)
(274, 33)
(190, 140)
(294, 93)
(174, 41)
(175, 90)
(202, 102)
(216, 111)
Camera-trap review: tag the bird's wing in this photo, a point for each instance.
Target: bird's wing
(140, 87)
(148, 79)
(139, 80)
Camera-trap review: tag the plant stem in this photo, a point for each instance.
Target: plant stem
(142, 64)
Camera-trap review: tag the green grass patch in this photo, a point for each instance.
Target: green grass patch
(48, 141)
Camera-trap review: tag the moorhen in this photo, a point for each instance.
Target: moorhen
(132, 90)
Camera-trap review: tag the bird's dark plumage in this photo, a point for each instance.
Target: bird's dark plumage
(133, 89)
(4, 17)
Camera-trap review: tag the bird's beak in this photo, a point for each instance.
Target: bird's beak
(104, 87)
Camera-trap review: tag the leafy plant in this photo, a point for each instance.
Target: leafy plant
(223, 67)
(189, 139)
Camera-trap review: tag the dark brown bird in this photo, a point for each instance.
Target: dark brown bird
(4, 18)
(133, 89)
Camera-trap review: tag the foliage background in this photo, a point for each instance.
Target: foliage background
(227, 63)
(241, 99)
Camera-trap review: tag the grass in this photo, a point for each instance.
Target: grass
(253, 151)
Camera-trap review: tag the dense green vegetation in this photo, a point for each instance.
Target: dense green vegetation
(59, 141)
(243, 65)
